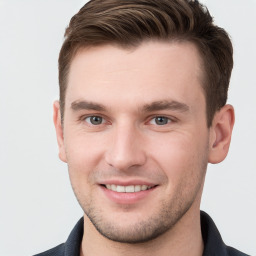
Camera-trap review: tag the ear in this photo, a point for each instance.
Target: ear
(59, 130)
(220, 134)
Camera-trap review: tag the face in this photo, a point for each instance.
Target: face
(135, 137)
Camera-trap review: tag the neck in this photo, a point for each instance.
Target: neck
(183, 239)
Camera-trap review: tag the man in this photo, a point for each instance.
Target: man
(142, 111)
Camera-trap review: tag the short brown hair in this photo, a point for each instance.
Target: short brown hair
(130, 22)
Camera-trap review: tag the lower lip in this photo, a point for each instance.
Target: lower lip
(126, 198)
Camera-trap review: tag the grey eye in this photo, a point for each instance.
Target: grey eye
(94, 120)
(160, 120)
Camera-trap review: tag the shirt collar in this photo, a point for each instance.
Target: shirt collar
(213, 243)
(73, 243)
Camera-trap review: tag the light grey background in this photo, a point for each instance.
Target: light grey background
(37, 206)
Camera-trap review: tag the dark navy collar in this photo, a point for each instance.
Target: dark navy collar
(213, 243)
(73, 244)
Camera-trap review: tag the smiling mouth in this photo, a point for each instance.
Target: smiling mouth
(127, 189)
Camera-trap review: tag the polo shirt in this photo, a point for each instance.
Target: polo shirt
(213, 244)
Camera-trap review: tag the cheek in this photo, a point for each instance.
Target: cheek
(81, 158)
(180, 156)
(83, 147)
(84, 154)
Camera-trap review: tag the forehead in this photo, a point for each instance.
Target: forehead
(150, 72)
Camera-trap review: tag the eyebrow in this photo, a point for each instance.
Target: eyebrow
(165, 105)
(86, 105)
(151, 107)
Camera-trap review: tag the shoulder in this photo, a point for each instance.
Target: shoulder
(56, 251)
(234, 252)
(213, 243)
(71, 246)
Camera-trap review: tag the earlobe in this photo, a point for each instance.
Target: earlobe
(220, 134)
(59, 130)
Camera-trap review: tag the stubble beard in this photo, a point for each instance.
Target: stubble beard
(142, 231)
(160, 221)
(163, 219)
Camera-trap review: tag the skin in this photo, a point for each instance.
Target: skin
(128, 90)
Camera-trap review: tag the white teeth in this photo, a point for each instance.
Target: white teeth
(127, 189)
(137, 188)
(120, 188)
(144, 187)
(113, 187)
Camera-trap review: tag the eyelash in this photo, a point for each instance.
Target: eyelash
(104, 121)
(90, 117)
(169, 120)
(86, 119)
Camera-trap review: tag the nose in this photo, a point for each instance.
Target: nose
(126, 149)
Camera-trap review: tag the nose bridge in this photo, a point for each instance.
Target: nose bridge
(125, 149)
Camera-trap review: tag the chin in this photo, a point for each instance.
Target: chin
(140, 230)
